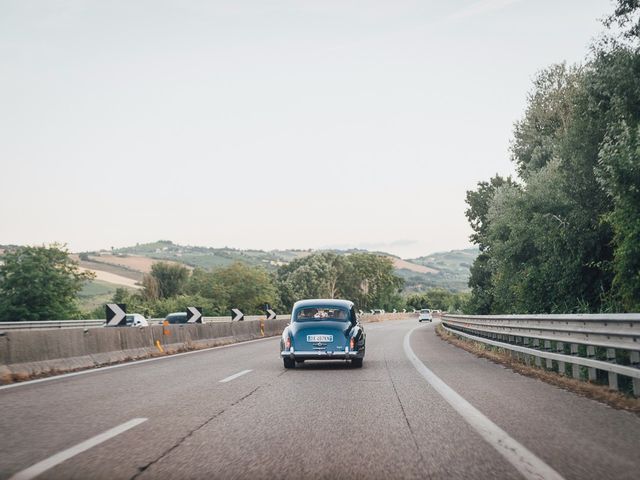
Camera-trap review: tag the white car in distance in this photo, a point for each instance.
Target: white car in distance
(136, 320)
(425, 315)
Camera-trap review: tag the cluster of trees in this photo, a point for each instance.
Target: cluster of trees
(171, 287)
(439, 299)
(565, 235)
(40, 283)
(365, 278)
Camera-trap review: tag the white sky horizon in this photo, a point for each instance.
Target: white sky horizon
(276, 125)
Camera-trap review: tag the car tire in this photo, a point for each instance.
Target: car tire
(357, 362)
(288, 363)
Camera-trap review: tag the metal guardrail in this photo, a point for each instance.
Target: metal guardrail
(56, 324)
(51, 324)
(568, 340)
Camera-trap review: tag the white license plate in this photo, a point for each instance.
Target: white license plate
(319, 338)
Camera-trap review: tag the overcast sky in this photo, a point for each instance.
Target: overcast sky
(266, 124)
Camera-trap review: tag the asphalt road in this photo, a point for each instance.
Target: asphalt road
(456, 416)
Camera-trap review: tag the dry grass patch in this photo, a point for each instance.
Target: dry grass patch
(501, 356)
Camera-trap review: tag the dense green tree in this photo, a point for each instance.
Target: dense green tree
(39, 283)
(480, 281)
(370, 281)
(365, 278)
(247, 288)
(166, 280)
(568, 239)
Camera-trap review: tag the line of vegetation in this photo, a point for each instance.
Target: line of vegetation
(565, 235)
(44, 283)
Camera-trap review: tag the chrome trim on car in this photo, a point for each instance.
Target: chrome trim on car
(323, 354)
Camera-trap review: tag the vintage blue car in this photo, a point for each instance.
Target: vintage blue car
(323, 329)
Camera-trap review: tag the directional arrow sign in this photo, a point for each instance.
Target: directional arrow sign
(194, 314)
(271, 315)
(236, 315)
(116, 313)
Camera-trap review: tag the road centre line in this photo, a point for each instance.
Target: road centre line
(527, 463)
(127, 364)
(234, 376)
(40, 467)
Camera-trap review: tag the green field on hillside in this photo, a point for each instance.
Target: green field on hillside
(96, 293)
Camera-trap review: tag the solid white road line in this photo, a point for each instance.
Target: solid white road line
(128, 364)
(40, 467)
(233, 377)
(530, 466)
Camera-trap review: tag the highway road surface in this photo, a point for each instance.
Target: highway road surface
(419, 408)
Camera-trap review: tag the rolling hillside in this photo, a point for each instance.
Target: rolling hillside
(449, 270)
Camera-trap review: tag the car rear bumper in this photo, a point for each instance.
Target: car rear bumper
(322, 355)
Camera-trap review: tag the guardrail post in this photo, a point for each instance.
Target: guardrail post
(591, 353)
(547, 347)
(613, 377)
(561, 365)
(575, 368)
(537, 359)
(634, 357)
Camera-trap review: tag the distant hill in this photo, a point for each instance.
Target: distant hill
(126, 266)
(453, 268)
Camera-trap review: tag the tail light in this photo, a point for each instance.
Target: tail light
(287, 342)
(352, 343)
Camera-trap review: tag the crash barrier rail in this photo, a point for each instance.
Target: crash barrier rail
(585, 346)
(99, 323)
(51, 324)
(57, 324)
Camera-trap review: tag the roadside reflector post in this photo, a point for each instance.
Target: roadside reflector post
(262, 327)
(165, 331)
(159, 347)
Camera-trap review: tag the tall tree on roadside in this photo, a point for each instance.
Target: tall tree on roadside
(40, 283)
(170, 279)
(480, 280)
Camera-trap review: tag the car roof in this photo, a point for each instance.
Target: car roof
(325, 302)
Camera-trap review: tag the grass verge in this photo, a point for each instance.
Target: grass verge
(502, 356)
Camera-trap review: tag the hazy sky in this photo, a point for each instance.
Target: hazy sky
(265, 124)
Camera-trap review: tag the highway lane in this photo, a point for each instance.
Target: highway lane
(319, 421)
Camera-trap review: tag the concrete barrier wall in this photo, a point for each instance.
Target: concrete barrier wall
(28, 353)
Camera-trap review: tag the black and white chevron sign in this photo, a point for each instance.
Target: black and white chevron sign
(194, 314)
(236, 315)
(116, 313)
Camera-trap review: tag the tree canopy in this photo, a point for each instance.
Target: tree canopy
(565, 237)
(39, 283)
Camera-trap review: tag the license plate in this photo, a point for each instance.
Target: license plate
(319, 338)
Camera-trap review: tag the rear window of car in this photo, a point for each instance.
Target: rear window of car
(314, 314)
(425, 311)
(177, 318)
